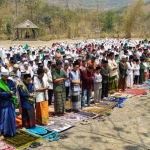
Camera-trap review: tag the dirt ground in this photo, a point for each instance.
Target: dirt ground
(127, 128)
(9, 43)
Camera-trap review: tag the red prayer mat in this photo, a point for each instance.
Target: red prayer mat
(4, 146)
(135, 91)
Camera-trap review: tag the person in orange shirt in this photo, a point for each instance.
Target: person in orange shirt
(91, 62)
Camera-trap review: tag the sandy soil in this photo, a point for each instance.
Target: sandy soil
(126, 128)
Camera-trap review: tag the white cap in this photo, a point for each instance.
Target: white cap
(124, 56)
(4, 72)
(25, 63)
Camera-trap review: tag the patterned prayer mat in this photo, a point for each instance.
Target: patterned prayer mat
(122, 95)
(73, 118)
(41, 131)
(87, 114)
(102, 108)
(58, 126)
(135, 91)
(144, 86)
(18, 122)
(4, 146)
(21, 140)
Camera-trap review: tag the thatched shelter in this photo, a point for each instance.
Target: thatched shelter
(27, 30)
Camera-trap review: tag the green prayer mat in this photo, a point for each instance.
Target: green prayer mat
(21, 140)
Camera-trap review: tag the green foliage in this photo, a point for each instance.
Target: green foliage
(55, 22)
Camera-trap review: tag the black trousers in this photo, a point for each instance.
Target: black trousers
(50, 95)
(104, 90)
(136, 78)
(67, 93)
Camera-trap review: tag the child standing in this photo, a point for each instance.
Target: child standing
(136, 71)
(97, 85)
(105, 78)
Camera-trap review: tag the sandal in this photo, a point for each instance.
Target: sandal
(34, 145)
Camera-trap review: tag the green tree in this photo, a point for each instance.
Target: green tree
(131, 16)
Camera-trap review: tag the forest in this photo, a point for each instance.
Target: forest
(65, 23)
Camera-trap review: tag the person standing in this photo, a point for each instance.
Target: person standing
(75, 88)
(136, 71)
(87, 85)
(25, 89)
(59, 77)
(67, 82)
(142, 68)
(41, 94)
(122, 73)
(7, 105)
(105, 78)
(113, 85)
(48, 77)
(130, 68)
(97, 85)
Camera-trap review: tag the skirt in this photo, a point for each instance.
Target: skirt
(28, 117)
(42, 115)
(7, 121)
(75, 100)
(113, 87)
(122, 83)
(59, 102)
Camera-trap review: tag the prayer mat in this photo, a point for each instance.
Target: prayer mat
(58, 126)
(21, 140)
(107, 104)
(73, 118)
(87, 114)
(144, 86)
(122, 95)
(135, 91)
(41, 131)
(101, 109)
(18, 121)
(4, 146)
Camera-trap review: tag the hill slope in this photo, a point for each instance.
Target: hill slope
(91, 4)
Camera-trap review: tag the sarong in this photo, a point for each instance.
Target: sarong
(42, 115)
(28, 117)
(122, 83)
(7, 121)
(75, 100)
(113, 87)
(59, 102)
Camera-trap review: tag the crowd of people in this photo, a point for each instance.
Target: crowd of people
(32, 77)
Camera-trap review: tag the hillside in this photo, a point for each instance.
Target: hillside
(92, 4)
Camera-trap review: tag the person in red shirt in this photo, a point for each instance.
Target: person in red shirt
(92, 62)
(87, 85)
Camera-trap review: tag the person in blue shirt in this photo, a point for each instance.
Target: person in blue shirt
(25, 89)
(75, 87)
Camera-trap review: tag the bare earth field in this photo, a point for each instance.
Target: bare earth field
(9, 43)
(126, 128)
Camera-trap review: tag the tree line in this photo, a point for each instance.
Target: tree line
(56, 23)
